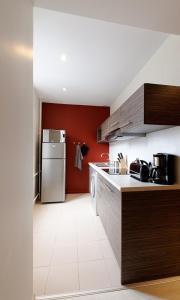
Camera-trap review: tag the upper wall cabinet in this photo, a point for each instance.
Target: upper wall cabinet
(103, 131)
(114, 121)
(152, 107)
(132, 111)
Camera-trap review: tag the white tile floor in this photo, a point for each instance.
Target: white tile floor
(71, 250)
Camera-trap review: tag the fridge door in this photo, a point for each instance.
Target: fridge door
(53, 150)
(53, 180)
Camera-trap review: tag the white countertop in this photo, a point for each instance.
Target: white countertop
(125, 183)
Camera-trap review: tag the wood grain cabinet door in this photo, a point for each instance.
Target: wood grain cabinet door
(109, 210)
(161, 104)
(105, 129)
(150, 235)
(114, 121)
(132, 112)
(152, 107)
(113, 198)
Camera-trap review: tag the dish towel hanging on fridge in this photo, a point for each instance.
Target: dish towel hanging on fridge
(78, 158)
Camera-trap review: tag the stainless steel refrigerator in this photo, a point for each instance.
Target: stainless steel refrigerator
(53, 166)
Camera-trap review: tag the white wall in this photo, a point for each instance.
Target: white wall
(163, 68)
(36, 141)
(16, 149)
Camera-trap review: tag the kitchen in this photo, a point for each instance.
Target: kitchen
(107, 64)
(85, 248)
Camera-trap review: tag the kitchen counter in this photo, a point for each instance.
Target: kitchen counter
(142, 223)
(125, 183)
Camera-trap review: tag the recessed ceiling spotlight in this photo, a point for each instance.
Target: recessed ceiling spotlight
(64, 57)
(64, 89)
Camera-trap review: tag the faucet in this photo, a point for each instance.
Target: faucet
(110, 161)
(104, 153)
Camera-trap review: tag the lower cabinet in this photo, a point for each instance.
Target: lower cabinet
(143, 228)
(109, 210)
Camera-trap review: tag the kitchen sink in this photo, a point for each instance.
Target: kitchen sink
(102, 164)
(112, 171)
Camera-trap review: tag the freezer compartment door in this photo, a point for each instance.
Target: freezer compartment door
(53, 150)
(53, 180)
(53, 136)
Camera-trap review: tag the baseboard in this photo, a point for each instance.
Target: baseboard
(79, 294)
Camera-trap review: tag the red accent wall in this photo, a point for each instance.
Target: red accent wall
(80, 123)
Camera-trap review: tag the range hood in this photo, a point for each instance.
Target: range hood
(118, 135)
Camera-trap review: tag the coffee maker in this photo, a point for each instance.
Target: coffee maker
(163, 169)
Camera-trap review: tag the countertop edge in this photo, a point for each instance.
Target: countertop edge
(142, 188)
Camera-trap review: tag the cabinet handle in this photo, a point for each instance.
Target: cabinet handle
(109, 189)
(126, 124)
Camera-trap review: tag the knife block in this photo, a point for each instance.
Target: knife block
(122, 167)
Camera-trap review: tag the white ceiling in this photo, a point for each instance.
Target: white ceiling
(159, 15)
(102, 57)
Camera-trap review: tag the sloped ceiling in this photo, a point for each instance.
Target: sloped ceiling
(159, 15)
(102, 57)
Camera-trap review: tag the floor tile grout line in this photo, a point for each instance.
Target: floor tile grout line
(73, 262)
(51, 259)
(45, 286)
(78, 267)
(52, 254)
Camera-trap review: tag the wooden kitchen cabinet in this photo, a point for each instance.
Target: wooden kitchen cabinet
(101, 201)
(152, 107)
(131, 112)
(109, 210)
(143, 228)
(114, 121)
(103, 131)
(150, 235)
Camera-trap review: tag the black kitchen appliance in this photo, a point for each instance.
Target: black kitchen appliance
(135, 166)
(139, 169)
(163, 170)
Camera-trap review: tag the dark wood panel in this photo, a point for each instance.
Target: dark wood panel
(162, 104)
(150, 235)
